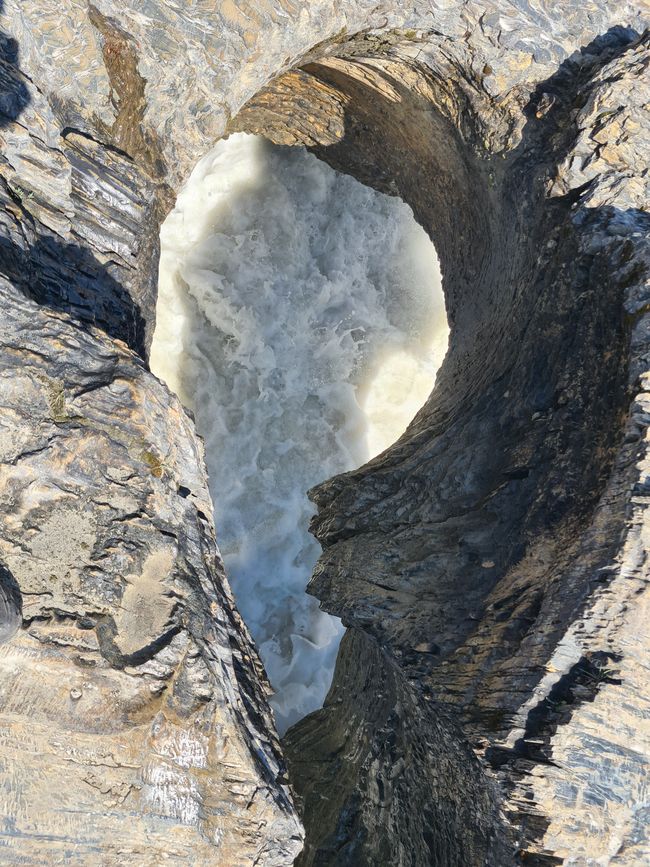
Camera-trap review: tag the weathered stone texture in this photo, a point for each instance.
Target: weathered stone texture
(135, 726)
(489, 702)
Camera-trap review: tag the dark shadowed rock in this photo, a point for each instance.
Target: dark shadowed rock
(488, 705)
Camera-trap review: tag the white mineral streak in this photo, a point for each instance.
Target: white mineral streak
(170, 787)
(301, 318)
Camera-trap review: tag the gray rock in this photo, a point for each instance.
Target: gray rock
(488, 704)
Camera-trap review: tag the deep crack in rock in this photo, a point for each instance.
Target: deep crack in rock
(486, 564)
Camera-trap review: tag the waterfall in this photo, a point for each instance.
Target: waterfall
(301, 318)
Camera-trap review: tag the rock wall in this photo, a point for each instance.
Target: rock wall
(474, 550)
(488, 704)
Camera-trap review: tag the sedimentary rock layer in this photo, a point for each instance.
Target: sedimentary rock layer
(489, 700)
(481, 551)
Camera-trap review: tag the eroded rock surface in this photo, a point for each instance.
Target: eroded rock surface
(489, 702)
(135, 725)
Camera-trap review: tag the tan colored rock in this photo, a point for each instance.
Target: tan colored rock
(491, 564)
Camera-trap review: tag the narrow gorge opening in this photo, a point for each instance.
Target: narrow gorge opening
(487, 703)
(301, 318)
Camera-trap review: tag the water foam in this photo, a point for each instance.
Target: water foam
(301, 317)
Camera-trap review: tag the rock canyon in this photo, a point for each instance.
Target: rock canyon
(480, 548)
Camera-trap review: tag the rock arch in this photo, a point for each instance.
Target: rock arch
(491, 565)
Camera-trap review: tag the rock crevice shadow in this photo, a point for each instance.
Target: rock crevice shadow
(63, 275)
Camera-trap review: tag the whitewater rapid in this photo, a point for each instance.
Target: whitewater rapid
(301, 318)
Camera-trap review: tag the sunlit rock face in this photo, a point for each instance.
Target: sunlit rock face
(301, 318)
(488, 703)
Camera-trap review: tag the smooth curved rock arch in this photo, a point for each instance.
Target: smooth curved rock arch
(491, 565)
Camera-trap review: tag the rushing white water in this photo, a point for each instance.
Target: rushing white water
(301, 318)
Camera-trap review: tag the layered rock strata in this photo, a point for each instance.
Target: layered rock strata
(488, 704)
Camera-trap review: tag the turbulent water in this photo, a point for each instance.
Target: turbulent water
(301, 318)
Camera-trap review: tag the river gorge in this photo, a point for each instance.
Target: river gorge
(323, 433)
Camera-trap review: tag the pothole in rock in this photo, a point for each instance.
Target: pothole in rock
(301, 318)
